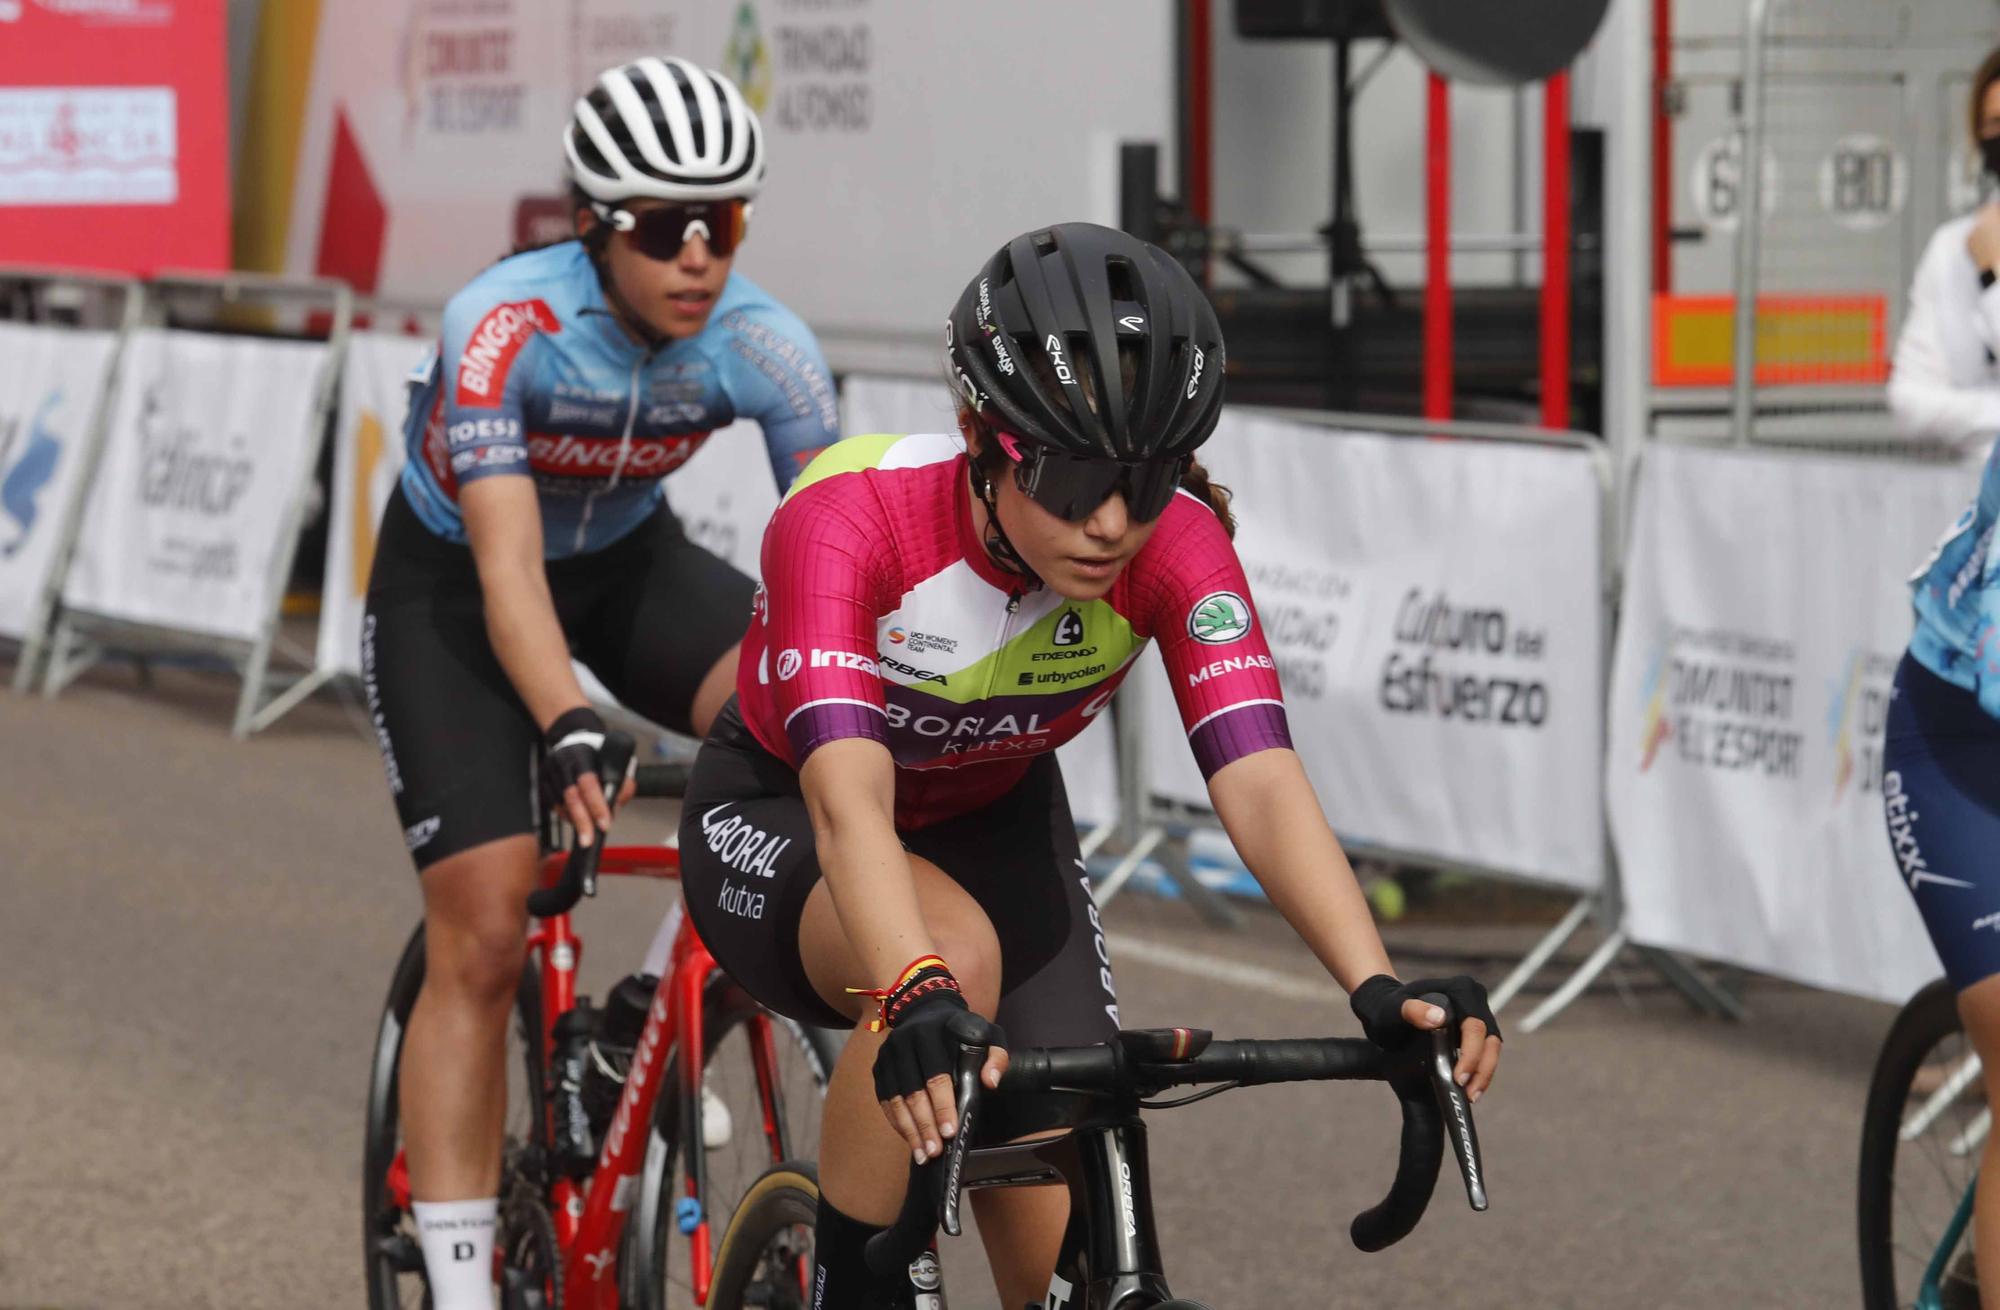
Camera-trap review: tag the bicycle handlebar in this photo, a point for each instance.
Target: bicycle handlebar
(660, 781)
(1420, 1074)
(579, 875)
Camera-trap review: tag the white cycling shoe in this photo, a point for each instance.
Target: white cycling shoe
(717, 1124)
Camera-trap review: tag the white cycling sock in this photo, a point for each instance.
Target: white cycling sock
(457, 1238)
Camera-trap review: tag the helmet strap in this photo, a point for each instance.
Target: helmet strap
(997, 546)
(628, 317)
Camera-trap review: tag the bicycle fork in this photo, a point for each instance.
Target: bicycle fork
(1930, 1293)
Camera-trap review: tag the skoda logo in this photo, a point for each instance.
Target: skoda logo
(1219, 618)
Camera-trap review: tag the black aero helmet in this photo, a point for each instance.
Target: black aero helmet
(1053, 312)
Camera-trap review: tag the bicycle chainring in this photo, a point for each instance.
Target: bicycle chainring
(531, 1274)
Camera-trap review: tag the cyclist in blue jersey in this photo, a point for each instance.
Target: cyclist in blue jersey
(530, 526)
(1941, 755)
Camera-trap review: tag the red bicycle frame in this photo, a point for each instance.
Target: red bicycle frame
(590, 1216)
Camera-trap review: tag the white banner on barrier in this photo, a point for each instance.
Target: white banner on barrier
(204, 454)
(1089, 763)
(898, 404)
(724, 496)
(1765, 611)
(50, 383)
(1434, 608)
(367, 459)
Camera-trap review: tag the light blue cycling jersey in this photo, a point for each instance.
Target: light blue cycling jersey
(540, 380)
(1957, 594)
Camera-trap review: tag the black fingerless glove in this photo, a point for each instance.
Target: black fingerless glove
(1378, 1003)
(925, 1043)
(928, 1021)
(570, 750)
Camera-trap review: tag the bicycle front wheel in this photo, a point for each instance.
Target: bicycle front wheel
(395, 1262)
(1922, 1137)
(766, 1258)
(742, 1142)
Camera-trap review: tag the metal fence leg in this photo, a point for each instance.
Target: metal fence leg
(1207, 903)
(1704, 995)
(1574, 986)
(1114, 882)
(1544, 950)
(1095, 839)
(291, 697)
(71, 654)
(29, 662)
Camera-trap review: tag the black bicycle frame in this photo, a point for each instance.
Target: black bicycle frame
(1110, 1256)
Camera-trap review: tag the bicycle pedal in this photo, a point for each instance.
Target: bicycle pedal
(402, 1252)
(687, 1215)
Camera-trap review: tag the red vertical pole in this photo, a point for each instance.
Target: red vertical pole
(1437, 250)
(1199, 182)
(1663, 149)
(1555, 251)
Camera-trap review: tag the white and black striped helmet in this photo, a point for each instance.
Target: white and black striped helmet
(664, 128)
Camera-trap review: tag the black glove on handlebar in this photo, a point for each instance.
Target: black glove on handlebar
(570, 750)
(1378, 1003)
(924, 1043)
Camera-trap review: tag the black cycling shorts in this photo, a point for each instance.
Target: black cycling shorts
(649, 615)
(748, 863)
(1941, 800)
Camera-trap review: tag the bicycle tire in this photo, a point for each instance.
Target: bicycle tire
(652, 1233)
(1928, 1021)
(784, 1198)
(387, 1248)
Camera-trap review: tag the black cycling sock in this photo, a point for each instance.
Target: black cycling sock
(841, 1280)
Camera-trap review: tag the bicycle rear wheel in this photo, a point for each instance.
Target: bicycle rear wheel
(1921, 1140)
(395, 1263)
(656, 1254)
(766, 1257)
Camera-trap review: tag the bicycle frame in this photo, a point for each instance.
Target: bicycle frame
(1110, 1257)
(590, 1220)
(590, 1223)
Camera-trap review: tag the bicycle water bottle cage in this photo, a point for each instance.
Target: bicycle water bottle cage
(1164, 1045)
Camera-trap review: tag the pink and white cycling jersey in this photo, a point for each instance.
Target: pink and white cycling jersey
(881, 616)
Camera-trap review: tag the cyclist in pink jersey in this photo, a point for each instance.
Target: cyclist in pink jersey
(876, 833)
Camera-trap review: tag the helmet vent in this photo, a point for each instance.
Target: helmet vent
(1119, 274)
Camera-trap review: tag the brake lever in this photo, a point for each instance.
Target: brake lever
(615, 761)
(967, 1088)
(1456, 1109)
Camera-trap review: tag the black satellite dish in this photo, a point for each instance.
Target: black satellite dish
(1497, 42)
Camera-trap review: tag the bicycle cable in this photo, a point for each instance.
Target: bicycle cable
(1216, 1090)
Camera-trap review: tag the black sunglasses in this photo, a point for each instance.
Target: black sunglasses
(1071, 487)
(660, 233)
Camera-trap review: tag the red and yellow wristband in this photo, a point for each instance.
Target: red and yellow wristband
(924, 976)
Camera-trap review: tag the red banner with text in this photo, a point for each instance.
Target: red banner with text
(114, 134)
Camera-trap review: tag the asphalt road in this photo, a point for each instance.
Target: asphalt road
(195, 935)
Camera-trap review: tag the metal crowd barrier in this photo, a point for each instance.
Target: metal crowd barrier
(44, 290)
(1151, 826)
(81, 639)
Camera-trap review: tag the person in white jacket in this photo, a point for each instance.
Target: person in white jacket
(1945, 382)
